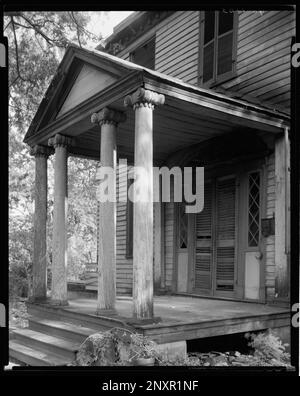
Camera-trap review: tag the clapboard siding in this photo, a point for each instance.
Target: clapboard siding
(177, 46)
(169, 243)
(124, 266)
(263, 56)
(270, 241)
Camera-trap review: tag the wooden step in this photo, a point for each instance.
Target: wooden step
(47, 343)
(34, 357)
(65, 330)
(92, 280)
(97, 322)
(91, 287)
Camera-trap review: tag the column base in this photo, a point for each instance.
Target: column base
(105, 312)
(33, 299)
(61, 303)
(143, 321)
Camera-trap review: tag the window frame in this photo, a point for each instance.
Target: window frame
(142, 44)
(129, 224)
(248, 247)
(216, 80)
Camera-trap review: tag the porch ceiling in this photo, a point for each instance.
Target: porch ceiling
(173, 129)
(190, 114)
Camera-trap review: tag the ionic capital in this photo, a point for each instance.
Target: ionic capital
(60, 141)
(108, 116)
(144, 97)
(41, 151)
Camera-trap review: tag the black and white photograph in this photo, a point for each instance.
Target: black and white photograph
(153, 191)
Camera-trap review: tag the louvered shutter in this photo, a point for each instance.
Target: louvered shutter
(225, 54)
(98, 228)
(225, 43)
(225, 234)
(203, 262)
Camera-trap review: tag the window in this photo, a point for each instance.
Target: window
(145, 54)
(253, 209)
(218, 47)
(183, 227)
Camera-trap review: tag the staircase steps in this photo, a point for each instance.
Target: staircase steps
(47, 343)
(95, 322)
(34, 357)
(92, 287)
(69, 331)
(54, 335)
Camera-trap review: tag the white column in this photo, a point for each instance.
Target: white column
(143, 103)
(39, 268)
(59, 245)
(282, 213)
(108, 120)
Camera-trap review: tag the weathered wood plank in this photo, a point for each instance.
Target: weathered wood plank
(281, 264)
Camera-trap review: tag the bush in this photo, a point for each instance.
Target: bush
(122, 347)
(269, 349)
(18, 281)
(115, 347)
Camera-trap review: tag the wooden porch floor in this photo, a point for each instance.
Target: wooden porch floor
(183, 318)
(55, 333)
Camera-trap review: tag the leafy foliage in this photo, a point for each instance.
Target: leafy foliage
(36, 44)
(18, 316)
(115, 347)
(269, 348)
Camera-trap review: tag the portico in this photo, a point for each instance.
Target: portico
(114, 110)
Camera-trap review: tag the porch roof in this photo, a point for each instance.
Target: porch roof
(190, 115)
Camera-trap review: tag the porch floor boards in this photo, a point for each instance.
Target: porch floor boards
(56, 332)
(179, 318)
(180, 309)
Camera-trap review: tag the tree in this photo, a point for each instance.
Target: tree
(37, 41)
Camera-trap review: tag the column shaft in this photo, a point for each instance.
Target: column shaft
(143, 217)
(39, 268)
(59, 246)
(107, 225)
(108, 119)
(143, 102)
(281, 218)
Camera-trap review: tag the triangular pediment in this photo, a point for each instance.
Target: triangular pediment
(81, 75)
(89, 81)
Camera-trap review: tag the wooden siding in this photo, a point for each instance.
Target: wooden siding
(270, 241)
(169, 243)
(124, 266)
(177, 46)
(263, 53)
(263, 56)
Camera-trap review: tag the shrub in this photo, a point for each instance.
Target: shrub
(116, 346)
(18, 281)
(269, 349)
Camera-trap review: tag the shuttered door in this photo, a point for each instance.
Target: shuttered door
(225, 234)
(203, 259)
